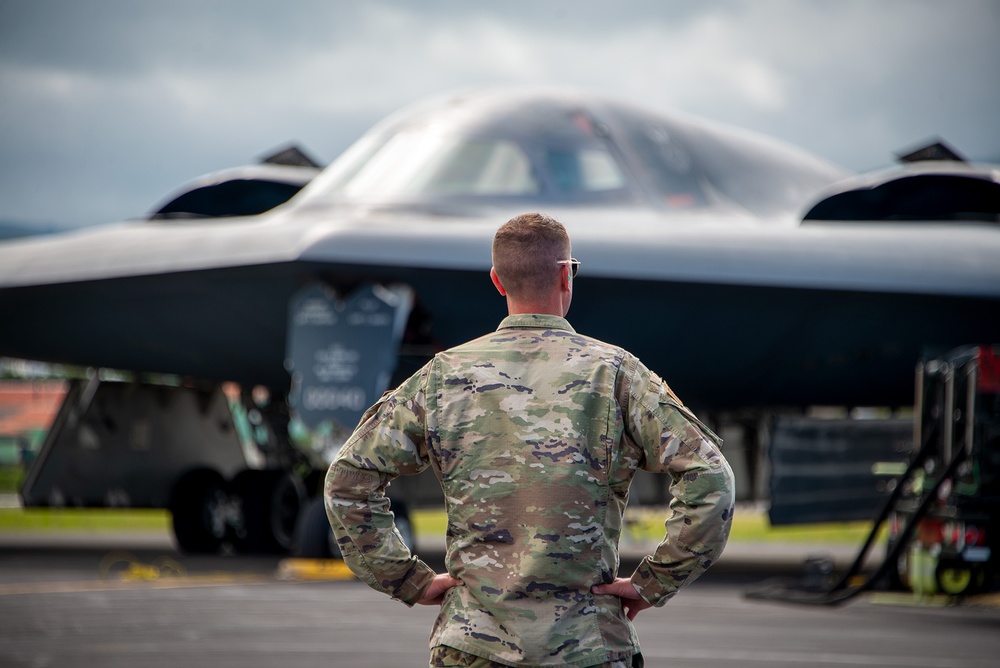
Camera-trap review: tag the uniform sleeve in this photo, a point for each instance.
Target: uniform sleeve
(675, 443)
(388, 442)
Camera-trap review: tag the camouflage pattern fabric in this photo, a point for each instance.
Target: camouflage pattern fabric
(535, 433)
(443, 656)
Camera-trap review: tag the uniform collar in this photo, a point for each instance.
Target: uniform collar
(535, 321)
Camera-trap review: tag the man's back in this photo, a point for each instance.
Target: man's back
(523, 431)
(535, 433)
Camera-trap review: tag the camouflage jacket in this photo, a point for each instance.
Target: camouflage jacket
(535, 433)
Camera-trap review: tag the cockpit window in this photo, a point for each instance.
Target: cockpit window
(424, 163)
(479, 167)
(668, 165)
(581, 170)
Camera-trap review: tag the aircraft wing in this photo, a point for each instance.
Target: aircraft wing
(908, 258)
(210, 300)
(692, 258)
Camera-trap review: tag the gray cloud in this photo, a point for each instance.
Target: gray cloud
(107, 106)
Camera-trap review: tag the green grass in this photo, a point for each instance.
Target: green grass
(11, 478)
(645, 524)
(754, 527)
(83, 519)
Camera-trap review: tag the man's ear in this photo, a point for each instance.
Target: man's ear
(496, 281)
(566, 278)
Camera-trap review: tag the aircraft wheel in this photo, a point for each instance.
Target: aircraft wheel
(288, 495)
(314, 537)
(403, 523)
(199, 505)
(960, 580)
(899, 573)
(270, 502)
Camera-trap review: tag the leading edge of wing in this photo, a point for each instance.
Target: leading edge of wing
(918, 258)
(957, 259)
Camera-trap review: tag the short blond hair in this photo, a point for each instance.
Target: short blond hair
(526, 252)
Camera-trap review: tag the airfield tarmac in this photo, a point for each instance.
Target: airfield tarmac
(67, 600)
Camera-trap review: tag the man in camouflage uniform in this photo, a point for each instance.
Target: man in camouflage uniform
(535, 433)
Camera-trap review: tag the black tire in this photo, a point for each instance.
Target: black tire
(198, 506)
(314, 537)
(288, 496)
(899, 572)
(962, 579)
(403, 523)
(270, 503)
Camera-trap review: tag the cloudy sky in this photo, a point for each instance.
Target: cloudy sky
(108, 105)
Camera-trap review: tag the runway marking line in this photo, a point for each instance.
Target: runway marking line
(289, 571)
(909, 599)
(314, 569)
(80, 586)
